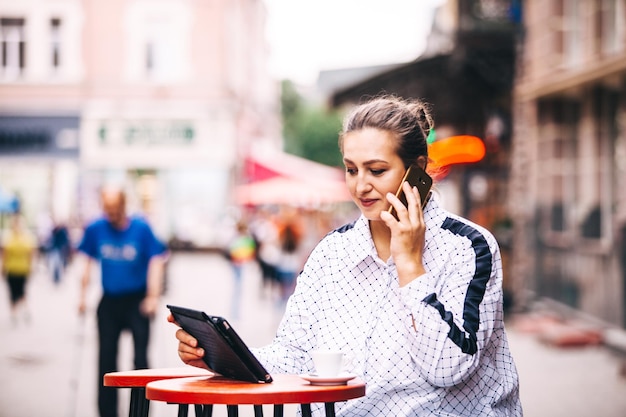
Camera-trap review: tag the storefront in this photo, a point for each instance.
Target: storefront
(176, 164)
(39, 166)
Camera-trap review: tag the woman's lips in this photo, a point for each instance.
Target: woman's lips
(368, 202)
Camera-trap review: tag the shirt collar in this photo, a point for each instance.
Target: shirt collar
(361, 238)
(361, 241)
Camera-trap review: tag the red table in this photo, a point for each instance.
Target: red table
(286, 389)
(138, 379)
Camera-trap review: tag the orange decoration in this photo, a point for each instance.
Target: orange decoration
(462, 149)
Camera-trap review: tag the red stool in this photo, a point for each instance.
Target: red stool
(138, 379)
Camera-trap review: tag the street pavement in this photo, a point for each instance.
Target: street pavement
(48, 365)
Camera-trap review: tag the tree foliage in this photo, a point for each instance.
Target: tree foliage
(309, 129)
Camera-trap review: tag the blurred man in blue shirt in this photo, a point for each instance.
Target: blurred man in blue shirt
(132, 264)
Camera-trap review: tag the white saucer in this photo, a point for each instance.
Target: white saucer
(341, 379)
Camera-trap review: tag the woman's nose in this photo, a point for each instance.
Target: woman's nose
(362, 184)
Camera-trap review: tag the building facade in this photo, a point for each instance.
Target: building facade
(164, 97)
(567, 194)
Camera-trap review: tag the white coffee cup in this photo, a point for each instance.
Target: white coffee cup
(328, 363)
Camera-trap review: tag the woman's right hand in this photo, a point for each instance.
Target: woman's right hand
(408, 234)
(188, 349)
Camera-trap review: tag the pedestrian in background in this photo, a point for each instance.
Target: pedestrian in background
(289, 263)
(413, 301)
(18, 255)
(132, 265)
(241, 252)
(264, 231)
(59, 250)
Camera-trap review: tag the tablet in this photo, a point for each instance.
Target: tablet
(224, 351)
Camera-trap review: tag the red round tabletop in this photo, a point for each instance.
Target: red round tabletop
(141, 377)
(285, 389)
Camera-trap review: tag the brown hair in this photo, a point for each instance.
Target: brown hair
(408, 119)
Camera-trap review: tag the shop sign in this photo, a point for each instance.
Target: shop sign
(148, 134)
(45, 135)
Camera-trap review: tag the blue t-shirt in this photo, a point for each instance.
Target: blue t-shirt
(123, 254)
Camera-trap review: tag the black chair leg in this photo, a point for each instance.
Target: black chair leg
(205, 410)
(233, 410)
(306, 410)
(278, 410)
(139, 405)
(330, 409)
(183, 410)
(198, 410)
(145, 403)
(135, 403)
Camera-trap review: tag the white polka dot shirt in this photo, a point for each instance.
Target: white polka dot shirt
(436, 347)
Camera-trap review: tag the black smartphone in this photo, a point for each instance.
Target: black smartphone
(417, 177)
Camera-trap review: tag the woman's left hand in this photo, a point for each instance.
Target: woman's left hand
(407, 234)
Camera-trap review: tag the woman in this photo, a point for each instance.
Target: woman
(17, 262)
(241, 252)
(289, 262)
(415, 303)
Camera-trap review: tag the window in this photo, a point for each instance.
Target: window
(572, 33)
(159, 41)
(610, 26)
(55, 44)
(161, 60)
(13, 48)
(576, 162)
(568, 31)
(597, 202)
(496, 10)
(558, 120)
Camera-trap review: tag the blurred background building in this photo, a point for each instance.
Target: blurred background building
(542, 82)
(567, 195)
(164, 97)
(173, 99)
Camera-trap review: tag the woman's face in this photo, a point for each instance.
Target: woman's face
(373, 169)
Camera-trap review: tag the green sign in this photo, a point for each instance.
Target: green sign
(151, 133)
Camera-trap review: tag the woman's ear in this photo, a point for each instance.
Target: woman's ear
(421, 162)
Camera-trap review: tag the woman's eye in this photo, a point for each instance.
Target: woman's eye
(377, 172)
(351, 171)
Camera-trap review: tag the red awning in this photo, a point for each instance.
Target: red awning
(269, 164)
(281, 178)
(255, 171)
